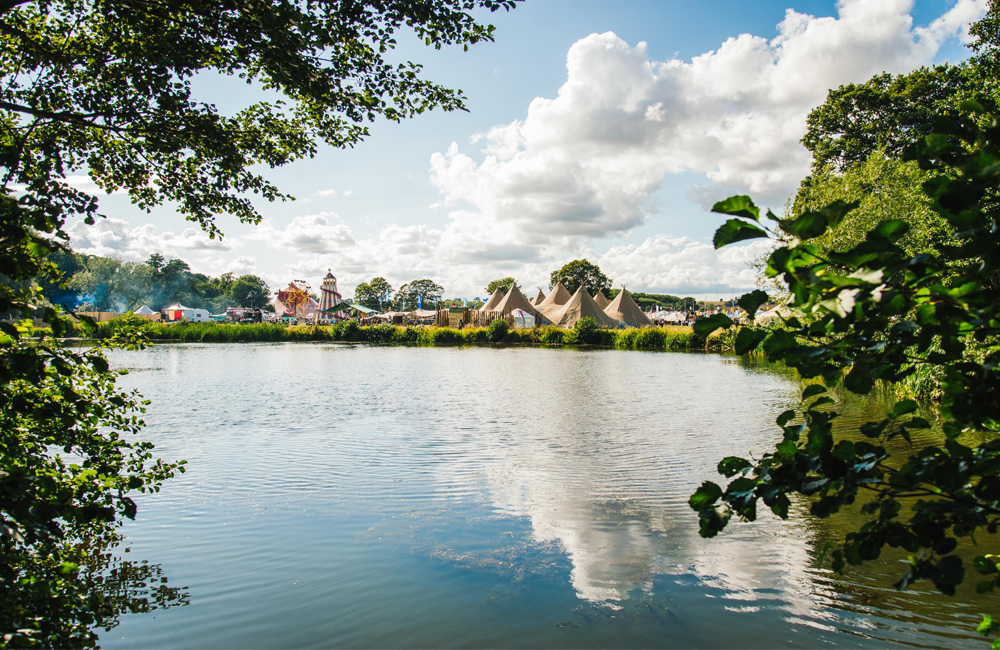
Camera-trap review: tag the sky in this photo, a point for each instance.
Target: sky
(596, 129)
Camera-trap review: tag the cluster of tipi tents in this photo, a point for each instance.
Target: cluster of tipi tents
(561, 309)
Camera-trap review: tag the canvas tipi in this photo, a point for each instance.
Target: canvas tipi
(581, 305)
(514, 300)
(555, 300)
(624, 309)
(491, 304)
(601, 301)
(539, 298)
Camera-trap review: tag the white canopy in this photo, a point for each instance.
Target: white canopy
(522, 319)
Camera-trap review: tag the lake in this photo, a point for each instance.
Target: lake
(351, 495)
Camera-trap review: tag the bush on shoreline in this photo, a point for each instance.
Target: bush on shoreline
(659, 338)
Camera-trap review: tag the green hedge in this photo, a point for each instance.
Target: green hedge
(658, 338)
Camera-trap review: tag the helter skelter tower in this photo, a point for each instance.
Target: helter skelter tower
(328, 297)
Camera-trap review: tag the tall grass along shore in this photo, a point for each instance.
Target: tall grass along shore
(658, 338)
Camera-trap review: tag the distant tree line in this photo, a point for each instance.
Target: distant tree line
(94, 283)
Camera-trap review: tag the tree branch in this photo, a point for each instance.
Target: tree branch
(58, 117)
(8, 5)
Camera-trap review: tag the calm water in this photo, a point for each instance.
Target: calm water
(426, 497)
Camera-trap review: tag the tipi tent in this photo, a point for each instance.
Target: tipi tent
(624, 309)
(539, 298)
(581, 305)
(514, 300)
(491, 304)
(601, 301)
(555, 300)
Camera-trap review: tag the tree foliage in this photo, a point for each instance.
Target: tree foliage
(53, 503)
(429, 292)
(650, 301)
(871, 312)
(94, 283)
(888, 112)
(376, 294)
(503, 284)
(884, 188)
(580, 273)
(105, 88)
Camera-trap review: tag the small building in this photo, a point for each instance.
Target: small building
(178, 311)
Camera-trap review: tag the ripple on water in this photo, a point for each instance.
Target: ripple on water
(413, 497)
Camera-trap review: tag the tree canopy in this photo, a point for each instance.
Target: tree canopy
(580, 273)
(869, 312)
(105, 89)
(428, 291)
(887, 113)
(503, 284)
(376, 294)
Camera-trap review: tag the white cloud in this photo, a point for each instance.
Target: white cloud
(113, 237)
(309, 234)
(584, 164)
(682, 265)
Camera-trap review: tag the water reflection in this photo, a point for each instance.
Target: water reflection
(123, 584)
(411, 497)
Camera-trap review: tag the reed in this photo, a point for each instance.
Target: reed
(657, 338)
(669, 337)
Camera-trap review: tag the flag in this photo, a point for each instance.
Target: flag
(420, 302)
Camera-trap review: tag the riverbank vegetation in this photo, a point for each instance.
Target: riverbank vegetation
(676, 338)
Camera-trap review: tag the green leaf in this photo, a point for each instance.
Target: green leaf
(751, 302)
(787, 448)
(705, 496)
(892, 229)
(713, 520)
(785, 418)
(812, 390)
(738, 206)
(732, 465)
(985, 564)
(903, 407)
(747, 340)
(735, 230)
(705, 326)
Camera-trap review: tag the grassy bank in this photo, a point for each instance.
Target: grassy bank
(660, 338)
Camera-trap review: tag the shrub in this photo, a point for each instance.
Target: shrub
(348, 331)
(649, 338)
(587, 331)
(404, 335)
(550, 335)
(380, 333)
(474, 334)
(497, 331)
(444, 336)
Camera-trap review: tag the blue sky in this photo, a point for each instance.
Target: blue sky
(616, 162)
